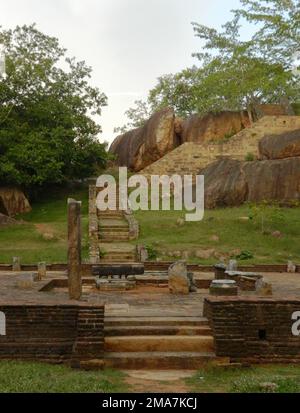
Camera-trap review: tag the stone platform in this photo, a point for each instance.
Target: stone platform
(146, 327)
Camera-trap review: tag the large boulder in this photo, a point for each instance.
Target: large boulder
(224, 183)
(213, 126)
(282, 146)
(231, 182)
(13, 202)
(141, 147)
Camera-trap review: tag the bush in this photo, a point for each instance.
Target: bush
(245, 255)
(249, 157)
(152, 252)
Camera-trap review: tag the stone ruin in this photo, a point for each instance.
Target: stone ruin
(180, 280)
(228, 281)
(117, 276)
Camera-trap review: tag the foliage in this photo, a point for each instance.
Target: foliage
(47, 134)
(250, 157)
(136, 116)
(152, 252)
(235, 74)
(266, 213)
(245, 255)
(259, 69)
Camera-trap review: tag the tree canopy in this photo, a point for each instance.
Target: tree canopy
(235, 73)
(47, 129)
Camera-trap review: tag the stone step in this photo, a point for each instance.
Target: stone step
(118, 259)
(114, 238)
(159, 343)
(120, 255)
(110, 214)
(113, 321)
(157, 360)
(112, 234)
(110, 229)
(157, 330)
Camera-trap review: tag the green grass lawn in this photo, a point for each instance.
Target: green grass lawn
(29, 377)
(24, 377)
(48, 216)
(286, 379)
(161, 231)
(158, 230)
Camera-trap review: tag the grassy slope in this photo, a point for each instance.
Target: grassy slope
(47, 216)
(161, 231)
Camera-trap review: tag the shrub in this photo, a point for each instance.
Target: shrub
(245, 255)
(152, 252)
(249, 157)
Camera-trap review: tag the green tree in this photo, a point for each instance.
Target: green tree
(235, 74)
(136, 116)
(259, 70)
(47, 131)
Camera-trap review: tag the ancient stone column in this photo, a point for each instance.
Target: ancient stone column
(41, 270)
(74, 249)
(16, 264)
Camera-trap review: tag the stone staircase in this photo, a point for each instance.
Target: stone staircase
(113, 236)
(190, 158)
(147, 342)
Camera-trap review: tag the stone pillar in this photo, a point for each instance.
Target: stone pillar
(41, 270)
(16, 265)
(74, 249)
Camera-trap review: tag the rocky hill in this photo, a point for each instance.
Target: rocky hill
(163, 132)
(191, 157)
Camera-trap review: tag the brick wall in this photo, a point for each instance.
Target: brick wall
(253, 329)
(54, 333)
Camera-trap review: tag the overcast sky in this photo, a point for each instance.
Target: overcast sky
(128, 43)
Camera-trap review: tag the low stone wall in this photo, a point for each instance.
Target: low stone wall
(257, 330)
(86, 269)
(52, 333)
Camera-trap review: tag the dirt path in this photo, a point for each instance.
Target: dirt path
(171, 381)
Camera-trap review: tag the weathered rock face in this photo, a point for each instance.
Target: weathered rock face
(179, 282)
(282, 146)
(213, 126)
(140, 147)
(231, 183)
(224, 183)
(13, 202)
